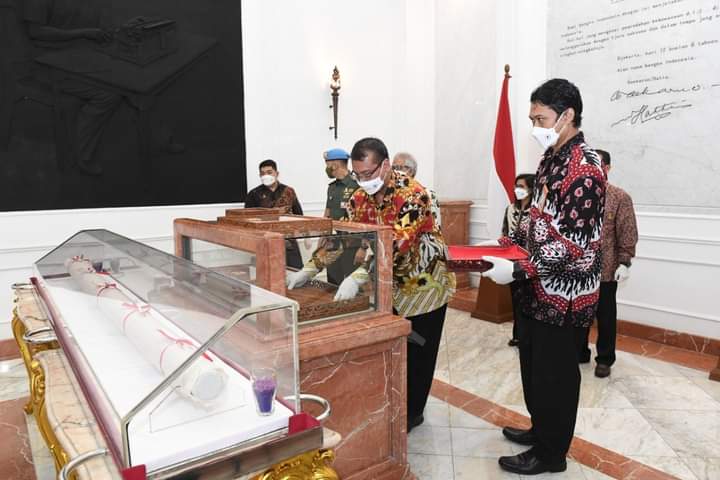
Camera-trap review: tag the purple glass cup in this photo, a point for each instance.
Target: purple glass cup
(264, 385)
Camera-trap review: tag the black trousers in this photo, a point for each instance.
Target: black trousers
(551, 384)
(421, 360)
(606, 327)
(293, 258)
(514, 292)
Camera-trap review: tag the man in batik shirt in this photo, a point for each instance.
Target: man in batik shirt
(273, 194)
(422, 286)
(563, 270)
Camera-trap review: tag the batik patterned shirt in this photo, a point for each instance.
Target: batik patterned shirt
(620, 234)
(515, 224)
(282, 197)
(563, 237)
(421, 282)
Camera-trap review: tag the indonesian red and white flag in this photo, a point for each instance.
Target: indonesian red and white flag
(501, 182)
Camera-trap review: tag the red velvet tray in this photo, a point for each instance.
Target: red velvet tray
(468, 258)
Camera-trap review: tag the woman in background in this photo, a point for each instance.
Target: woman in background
(515, 214)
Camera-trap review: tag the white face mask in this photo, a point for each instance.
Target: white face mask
(547, 137)
(520, 193)
(374, 185)
(267, 180)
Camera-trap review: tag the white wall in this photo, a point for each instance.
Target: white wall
(380, 48)
(465, 96)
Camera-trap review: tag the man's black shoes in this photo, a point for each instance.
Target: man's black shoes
(602, 371)
(528, 463)
(414, 422)
(517, 435)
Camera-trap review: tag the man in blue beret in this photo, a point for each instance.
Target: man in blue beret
(342, 187)
(339, 192)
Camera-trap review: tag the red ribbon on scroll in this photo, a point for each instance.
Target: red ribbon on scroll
(134, 308)
(182, 342)
(104, 286)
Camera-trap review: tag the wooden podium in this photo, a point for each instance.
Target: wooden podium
(456, 229)
(493, 303)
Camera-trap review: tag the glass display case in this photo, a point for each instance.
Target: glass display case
(259, 249)
(350, 341)
(178, 363)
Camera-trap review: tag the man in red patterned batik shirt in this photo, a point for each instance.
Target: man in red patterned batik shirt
(422, 285)
(563, 273)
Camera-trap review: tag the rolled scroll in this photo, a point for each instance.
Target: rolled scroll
(202, 382)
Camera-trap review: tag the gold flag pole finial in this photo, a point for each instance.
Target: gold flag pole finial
(507, 69)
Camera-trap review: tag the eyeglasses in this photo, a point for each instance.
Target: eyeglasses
(365, 176)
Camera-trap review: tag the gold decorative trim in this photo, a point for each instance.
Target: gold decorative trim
(313, 465)
(37, 400)
(18, 330)
(27, 351)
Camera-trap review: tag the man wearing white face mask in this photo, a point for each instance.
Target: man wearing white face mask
(560, 279)
(422, 285)
(273, 194)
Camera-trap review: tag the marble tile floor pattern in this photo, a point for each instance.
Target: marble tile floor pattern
(650, 419)
(647, 413)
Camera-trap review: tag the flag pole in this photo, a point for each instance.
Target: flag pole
(502, 174)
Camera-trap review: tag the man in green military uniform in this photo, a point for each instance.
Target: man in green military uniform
(342, 187)
(340, 190)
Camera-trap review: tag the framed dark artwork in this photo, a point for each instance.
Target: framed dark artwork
(109, 103)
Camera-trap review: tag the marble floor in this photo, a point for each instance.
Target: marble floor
(650, 419)
(648, 412)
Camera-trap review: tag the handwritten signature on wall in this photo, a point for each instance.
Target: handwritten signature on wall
(647, 113)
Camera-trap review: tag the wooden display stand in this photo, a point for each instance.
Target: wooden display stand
(494, 302)
(456, 229)
(356, 361)
(286, 224)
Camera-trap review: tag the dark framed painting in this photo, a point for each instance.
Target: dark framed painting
(109, 103)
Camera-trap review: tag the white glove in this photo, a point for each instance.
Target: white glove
(297, 279)
(351, 285)
(501, 272)
(487, 243)
(347, 289)
(622, 273)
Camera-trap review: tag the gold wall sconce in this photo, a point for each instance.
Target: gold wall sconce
(335, 94)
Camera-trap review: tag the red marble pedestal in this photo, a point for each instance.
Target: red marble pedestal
(359, 365)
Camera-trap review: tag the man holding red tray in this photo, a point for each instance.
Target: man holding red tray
(563, 277)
